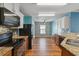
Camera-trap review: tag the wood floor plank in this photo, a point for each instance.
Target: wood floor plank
(44, 47)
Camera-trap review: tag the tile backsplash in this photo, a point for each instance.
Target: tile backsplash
(3, 29)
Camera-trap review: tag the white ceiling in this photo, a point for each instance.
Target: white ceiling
(32, 9)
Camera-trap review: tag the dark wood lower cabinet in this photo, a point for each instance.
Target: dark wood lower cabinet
(1, 15)
(58, 39)
(66, 52)
(20, 49)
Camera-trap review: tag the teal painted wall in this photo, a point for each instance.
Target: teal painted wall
(74, 21)
(54, 24)
(27, 20)
(51, 28)
(74, 18)
(54, 27)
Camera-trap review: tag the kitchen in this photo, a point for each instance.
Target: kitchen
(17, 30)
(11, 42)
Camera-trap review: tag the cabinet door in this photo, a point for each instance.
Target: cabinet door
(21, 50)
(66, 53)
(1, 15)
(9, 53)
(26, 44)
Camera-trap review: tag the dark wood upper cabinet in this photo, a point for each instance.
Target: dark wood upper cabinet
(1, 15)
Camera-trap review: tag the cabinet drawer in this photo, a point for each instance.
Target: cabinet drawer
(66, 52)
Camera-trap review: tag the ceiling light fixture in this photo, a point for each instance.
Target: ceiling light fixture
(51, 3)
(46, 14)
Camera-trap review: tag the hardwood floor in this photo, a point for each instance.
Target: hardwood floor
(44, 47)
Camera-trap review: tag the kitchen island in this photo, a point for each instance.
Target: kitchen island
(70, 49)
(23, 47)
(25, 38)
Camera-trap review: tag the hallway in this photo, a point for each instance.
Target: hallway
(43, 47)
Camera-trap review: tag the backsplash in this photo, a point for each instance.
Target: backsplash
(4, 29)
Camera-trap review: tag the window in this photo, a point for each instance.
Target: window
(42, 29)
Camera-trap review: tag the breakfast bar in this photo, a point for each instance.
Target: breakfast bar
(73, 49)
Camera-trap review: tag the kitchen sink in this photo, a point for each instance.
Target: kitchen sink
(74, 42)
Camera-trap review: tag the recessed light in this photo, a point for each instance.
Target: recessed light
(46, 14)
(51, 4)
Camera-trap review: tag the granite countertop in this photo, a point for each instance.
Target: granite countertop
(19, 37)
(4, 50)
(73, 49)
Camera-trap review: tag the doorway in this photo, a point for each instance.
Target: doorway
(43, 29)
